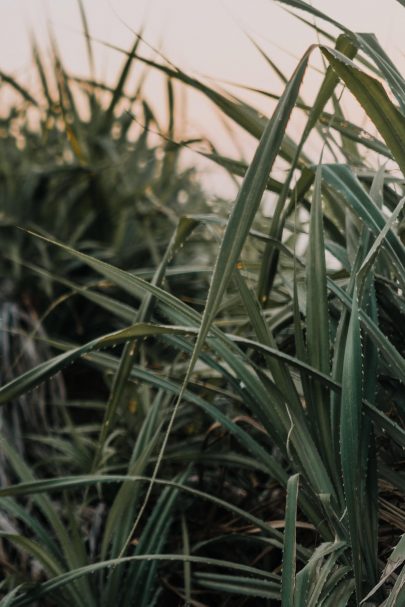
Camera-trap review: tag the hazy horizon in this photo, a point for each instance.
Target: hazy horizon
(209, 39)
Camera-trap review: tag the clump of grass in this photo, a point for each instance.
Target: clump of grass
(74, 168)
(257, 460)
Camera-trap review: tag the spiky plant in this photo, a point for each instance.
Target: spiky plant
(288, 385)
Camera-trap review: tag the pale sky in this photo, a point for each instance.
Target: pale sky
(206, 37)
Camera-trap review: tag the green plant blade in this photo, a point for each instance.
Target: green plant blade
(66, 483)
(373, 252)
(318, 315)
(184, 228)
(350, 436)
(375, 101)
(238, 585)
(344, 183)
(31, 379)
(289, 558)
(237, 229)
(396, 558)
(392, 76)
(67, 578)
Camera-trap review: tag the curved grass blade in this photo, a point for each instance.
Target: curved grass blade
(370, 93)
(73, 482)
(32, 378)
(254, 391)
(347, 46)
(354, 133)
(392, 76)
(249, 197)
(55, 583)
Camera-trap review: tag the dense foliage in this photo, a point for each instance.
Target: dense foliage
(243, 442)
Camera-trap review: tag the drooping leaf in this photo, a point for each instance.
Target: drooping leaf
(371, 95)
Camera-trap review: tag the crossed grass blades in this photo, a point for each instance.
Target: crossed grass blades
(249, 452)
